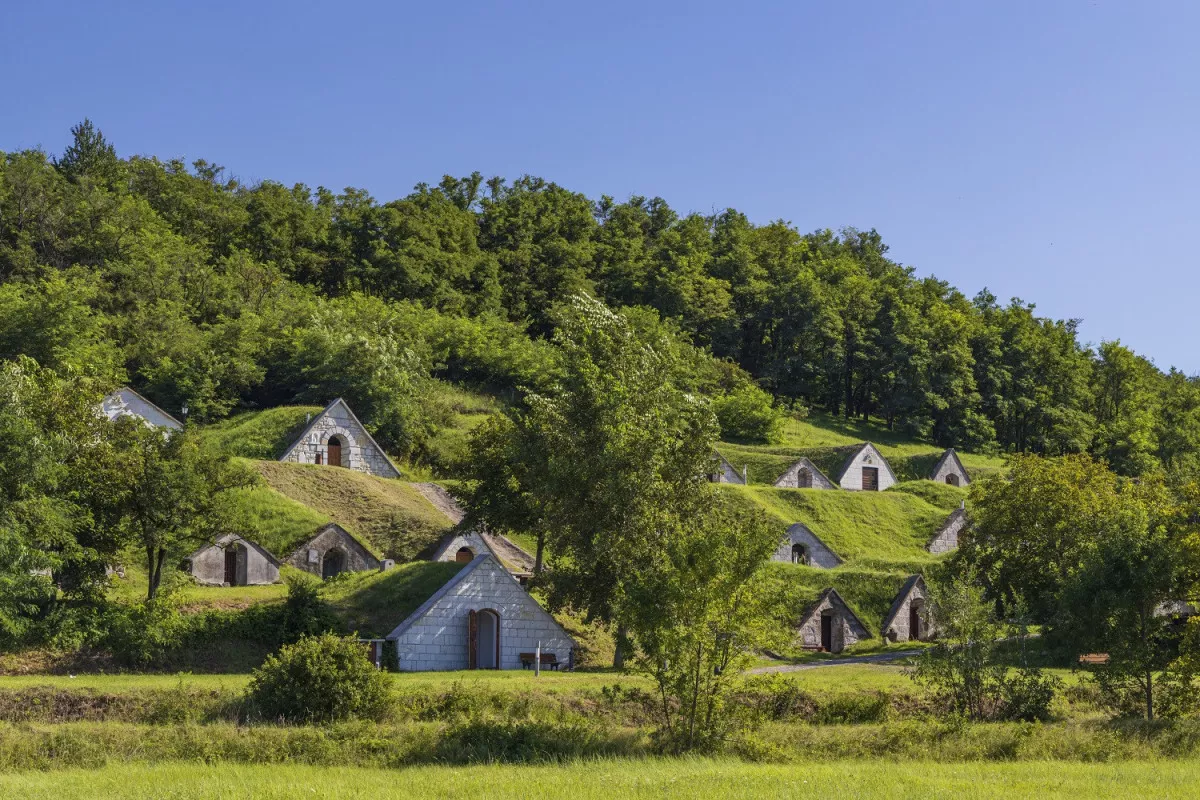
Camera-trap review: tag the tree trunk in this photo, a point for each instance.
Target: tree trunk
(1149, 696)
(154, 560)
(537, 561)
(619, 652)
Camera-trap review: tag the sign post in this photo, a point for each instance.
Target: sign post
(537, 660)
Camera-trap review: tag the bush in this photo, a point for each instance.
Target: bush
(747, 414)
(305, 613)
(319, 679)
(1026, 695)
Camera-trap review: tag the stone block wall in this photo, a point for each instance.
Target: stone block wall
(950, 465)
(899, 630)
(438, 639)
(254, 567)
(867, 457)
(946, 539)
(790, 478)
(359, 452)
(819, 555)
(846, 629)
(358, 558)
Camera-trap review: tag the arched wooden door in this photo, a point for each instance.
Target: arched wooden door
(483, 639)
(465, 555)
(335, 451)
(914, 622)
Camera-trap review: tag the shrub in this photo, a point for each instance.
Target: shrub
(747, 414)
(1026, 695)
(305, 613)
(319, 679)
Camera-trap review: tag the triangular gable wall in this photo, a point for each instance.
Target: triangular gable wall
(850, 476)
(126, 402)
(337, 418)
(789, 479)
(914, 583)
(950, 464)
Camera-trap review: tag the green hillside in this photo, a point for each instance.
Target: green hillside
(373, 603)
(828, 440)
(390, 516)
(260, 434)
(861, 527)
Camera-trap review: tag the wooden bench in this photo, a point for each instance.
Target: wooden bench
(548, 660)
(1093, 659)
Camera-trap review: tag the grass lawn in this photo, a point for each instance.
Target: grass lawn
(626, 779)
(260, 434)
(849, 677)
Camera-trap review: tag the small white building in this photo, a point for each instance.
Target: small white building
(950, 470)
(804, 474)
(125, 402)
(480, 619)
(725, 472)
(830, 625)
(232, 561)
(866, 470)
(907, 620)
(802, 546)
(336, 438)
(464, 545)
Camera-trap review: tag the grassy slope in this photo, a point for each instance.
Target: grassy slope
(389, 514)
(821, 436)
(636, 778)
(259, 434)
(467, 409)
(373, 603)
(861, 527)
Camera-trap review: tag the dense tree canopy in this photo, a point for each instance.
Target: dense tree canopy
(201, 289)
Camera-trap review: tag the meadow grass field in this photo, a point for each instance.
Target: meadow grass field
(848, 677)
(651, 778)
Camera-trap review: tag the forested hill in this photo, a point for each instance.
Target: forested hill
(198, 289)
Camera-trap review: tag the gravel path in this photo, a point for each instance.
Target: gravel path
(878, 658)
(442, 500)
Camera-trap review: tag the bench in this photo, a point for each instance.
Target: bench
(548, 660)
(1093, 659)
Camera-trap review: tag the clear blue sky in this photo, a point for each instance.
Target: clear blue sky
(1046, 150)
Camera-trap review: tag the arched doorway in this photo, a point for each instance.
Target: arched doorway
(483, 630)
(952, 479)
(231, 564)
(335, 451)
(464, 555)
(799, 554)
(333, 563)
(803, 479)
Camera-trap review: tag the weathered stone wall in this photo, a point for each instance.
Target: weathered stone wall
(819, 554)
(950, 465)
(867, 457)
(438, 639)
(790, 478)
(359, 452)
(946, 539)
(846, 631)
(310, 555)
(254, 566)
(727, 474)
(448, 551)
(899, 628)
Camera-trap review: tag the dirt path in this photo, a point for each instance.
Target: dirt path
(877, 658)
(442, 500)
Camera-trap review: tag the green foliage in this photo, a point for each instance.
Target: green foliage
(322, 678)
(747, 414)
(305, 613)
(962, 669)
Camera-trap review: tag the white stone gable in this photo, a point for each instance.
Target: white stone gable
(435, 636)
(358, 450)
(792, 477)
(867, 458)
(125, 402)
(814, 552)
